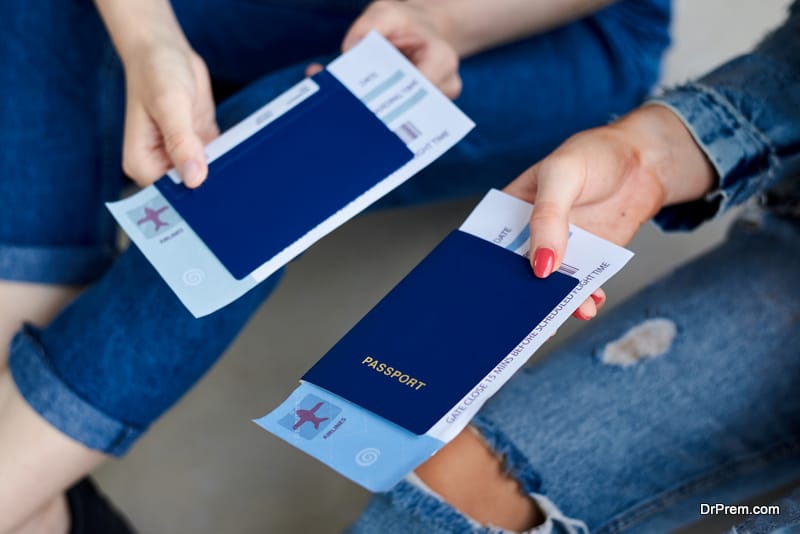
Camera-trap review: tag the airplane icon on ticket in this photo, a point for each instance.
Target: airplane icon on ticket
(310, 417)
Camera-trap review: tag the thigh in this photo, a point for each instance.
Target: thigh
(62, 108)
(617, 439)
(61, 90)
(242, 40)
(122, 354)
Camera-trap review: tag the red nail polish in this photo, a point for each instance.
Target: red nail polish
(543, 262)
(597, 300)
(580, 316)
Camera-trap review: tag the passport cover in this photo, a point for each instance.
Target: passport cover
(288, 177)
(439, 332)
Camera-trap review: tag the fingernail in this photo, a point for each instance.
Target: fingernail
(543, 262)
(190, 173)
(597, 300)
(581, 316)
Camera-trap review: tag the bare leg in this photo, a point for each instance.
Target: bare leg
(471, 478)
(35, 303)
(37, 462)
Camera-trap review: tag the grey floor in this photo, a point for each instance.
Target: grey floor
(205, 468)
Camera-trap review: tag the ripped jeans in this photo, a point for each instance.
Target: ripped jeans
(611, 444)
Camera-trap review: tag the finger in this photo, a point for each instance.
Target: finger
(452, 87)
(599, 298)
(586, 311)
(173, 115)
(209, 132)
(313, 69)
(558, 185)
(440, 66)
(142, 161)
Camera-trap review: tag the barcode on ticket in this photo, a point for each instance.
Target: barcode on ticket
(567, 269)
(407, 132)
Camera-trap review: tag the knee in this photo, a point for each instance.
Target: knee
(474, 480)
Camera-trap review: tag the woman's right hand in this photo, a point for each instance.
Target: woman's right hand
(169, 114)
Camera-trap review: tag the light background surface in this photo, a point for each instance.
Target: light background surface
(205, 468)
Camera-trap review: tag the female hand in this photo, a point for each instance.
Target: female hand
(417, 29)
(610, 180)
(169, 114)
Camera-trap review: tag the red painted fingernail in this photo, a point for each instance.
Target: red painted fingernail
(543, 262)
(597, 300)
(580, 316)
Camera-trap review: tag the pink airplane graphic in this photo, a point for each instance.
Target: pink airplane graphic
(308, 416)
(152, 216)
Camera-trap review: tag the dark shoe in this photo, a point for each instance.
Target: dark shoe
(92, 513)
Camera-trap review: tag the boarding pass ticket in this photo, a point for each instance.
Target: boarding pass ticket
(378, 450)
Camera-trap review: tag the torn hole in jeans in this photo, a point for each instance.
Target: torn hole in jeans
(516, 467)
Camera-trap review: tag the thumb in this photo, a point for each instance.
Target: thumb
(557, 188)
(183, 146)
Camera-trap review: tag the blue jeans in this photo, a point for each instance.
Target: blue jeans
(126, 350)
(715, 419)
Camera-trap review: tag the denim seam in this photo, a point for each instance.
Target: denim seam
(644, 509)
(759, 137)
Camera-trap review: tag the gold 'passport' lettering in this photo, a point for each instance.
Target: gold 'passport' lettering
(391, 372)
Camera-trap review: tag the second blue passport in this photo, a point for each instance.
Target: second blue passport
(439, 332)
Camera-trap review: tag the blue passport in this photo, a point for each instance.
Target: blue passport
(439, 332)
(293, 173)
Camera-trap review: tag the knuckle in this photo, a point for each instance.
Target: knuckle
(545, 211)
(451, 60)
(129, 167)
(454, 88)
(167, 100)
(136, 171)
(164, 100)
(558, 165)
(176, 141)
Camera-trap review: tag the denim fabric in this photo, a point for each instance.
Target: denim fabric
(745, 116)
(125, 350)
(787, 522)
(716, 418)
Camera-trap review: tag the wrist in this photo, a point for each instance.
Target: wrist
(138, 27)
(666, 150)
